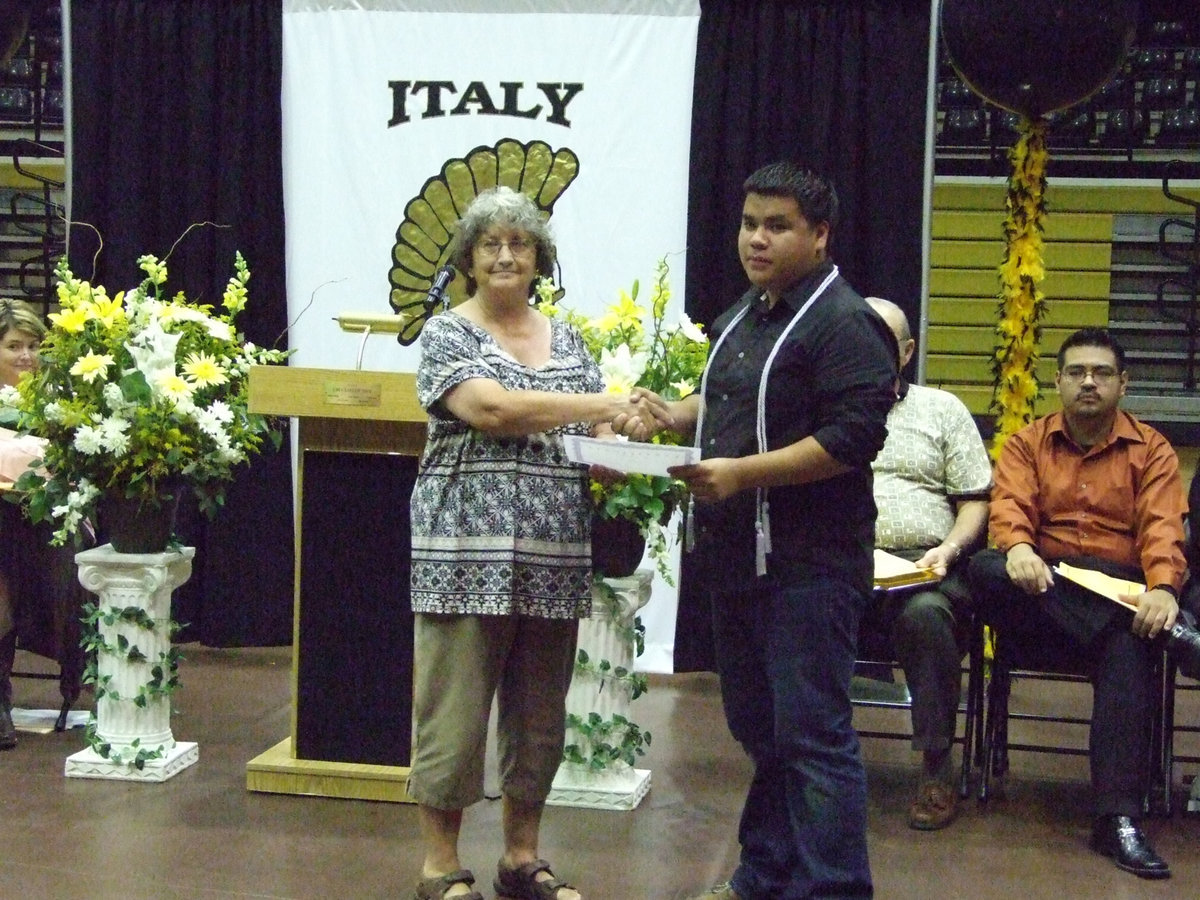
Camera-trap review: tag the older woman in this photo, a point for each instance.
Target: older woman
(500, 545)
(21, 331)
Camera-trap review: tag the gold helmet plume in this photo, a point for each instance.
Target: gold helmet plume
(423, 239)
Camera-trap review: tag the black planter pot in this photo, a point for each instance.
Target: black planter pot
(133, 525)
(617, 547)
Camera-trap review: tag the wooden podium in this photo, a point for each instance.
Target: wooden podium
(360, 438)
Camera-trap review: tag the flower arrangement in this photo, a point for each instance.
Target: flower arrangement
(635, 347)
(1022, 305)
(136, 394)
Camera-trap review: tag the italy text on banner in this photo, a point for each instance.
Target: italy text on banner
(395, 114)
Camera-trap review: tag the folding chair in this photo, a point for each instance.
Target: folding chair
(1061, 670)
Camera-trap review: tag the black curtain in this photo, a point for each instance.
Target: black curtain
(176, 121)
(840, 84)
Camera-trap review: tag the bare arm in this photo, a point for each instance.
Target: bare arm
(677, 415)
(970, 525)
(488, 406)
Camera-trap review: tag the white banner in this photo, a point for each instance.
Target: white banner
(395, 114)
(388, 111)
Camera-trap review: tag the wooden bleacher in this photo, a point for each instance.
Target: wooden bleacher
(968, 246)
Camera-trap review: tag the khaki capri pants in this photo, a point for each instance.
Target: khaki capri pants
(459, 663)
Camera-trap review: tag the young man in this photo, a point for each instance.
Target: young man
(1095, 487)
(800, 378)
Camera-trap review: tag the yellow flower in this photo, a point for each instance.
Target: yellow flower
(91, 366)
(606, 324)
(155, 270)
(685, 388)
(627, 313)
(234, 298)
(72, 320)
(109, 310)
(204, 370)
(174, 387)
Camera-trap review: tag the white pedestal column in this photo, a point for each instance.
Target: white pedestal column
(605, 636)
(128, 717)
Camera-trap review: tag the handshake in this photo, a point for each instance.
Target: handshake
(639, 415)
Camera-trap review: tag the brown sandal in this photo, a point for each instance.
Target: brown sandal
(522, 883)
(435, 888)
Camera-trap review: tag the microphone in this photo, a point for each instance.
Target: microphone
(437, 290)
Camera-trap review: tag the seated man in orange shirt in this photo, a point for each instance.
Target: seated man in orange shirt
(1093, 486)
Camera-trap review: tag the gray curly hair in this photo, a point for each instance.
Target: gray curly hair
(512, 209)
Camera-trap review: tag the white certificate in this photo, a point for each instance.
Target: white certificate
(629, 456)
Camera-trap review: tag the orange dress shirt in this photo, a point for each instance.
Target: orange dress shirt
(1121, 500)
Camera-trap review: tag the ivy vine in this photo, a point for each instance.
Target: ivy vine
(163, 677)
(605, 673)
(605, 741)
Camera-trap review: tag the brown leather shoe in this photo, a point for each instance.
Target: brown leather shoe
(935, 807)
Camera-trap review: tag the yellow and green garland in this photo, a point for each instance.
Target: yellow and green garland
(1022, 305)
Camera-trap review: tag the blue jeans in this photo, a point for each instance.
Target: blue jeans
(786, 654)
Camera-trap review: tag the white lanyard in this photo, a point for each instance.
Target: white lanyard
(762, 522)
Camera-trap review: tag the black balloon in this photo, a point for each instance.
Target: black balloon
(1037, 57)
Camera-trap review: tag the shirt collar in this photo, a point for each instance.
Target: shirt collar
(1123, 429)
(796, 296)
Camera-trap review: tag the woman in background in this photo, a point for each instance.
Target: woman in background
(21, 333)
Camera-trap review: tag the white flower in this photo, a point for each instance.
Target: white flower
(9, 395)
(622, 369)
(210, 423)
(173, 312)
(230, 455)
(115, 400)
(153, 352)
(53, 412)
(89, 440)
(691, 330)
(114, 433)
(221, 411)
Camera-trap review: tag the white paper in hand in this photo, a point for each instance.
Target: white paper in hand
(628, 456)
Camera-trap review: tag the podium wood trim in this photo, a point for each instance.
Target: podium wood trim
(277, 771)
(334, 394)
(349, 411)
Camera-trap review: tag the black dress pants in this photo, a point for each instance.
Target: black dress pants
(1070, 628)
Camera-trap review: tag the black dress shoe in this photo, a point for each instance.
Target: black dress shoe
(1120, 838)
(1183, 646)
(8, 734)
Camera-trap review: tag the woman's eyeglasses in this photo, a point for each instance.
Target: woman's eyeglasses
(516, 246)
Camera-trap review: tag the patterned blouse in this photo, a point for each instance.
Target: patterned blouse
(500, 525)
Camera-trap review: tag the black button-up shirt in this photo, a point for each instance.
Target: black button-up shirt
(834, 379)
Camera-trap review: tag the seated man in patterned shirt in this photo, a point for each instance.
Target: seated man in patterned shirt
(931, 487)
